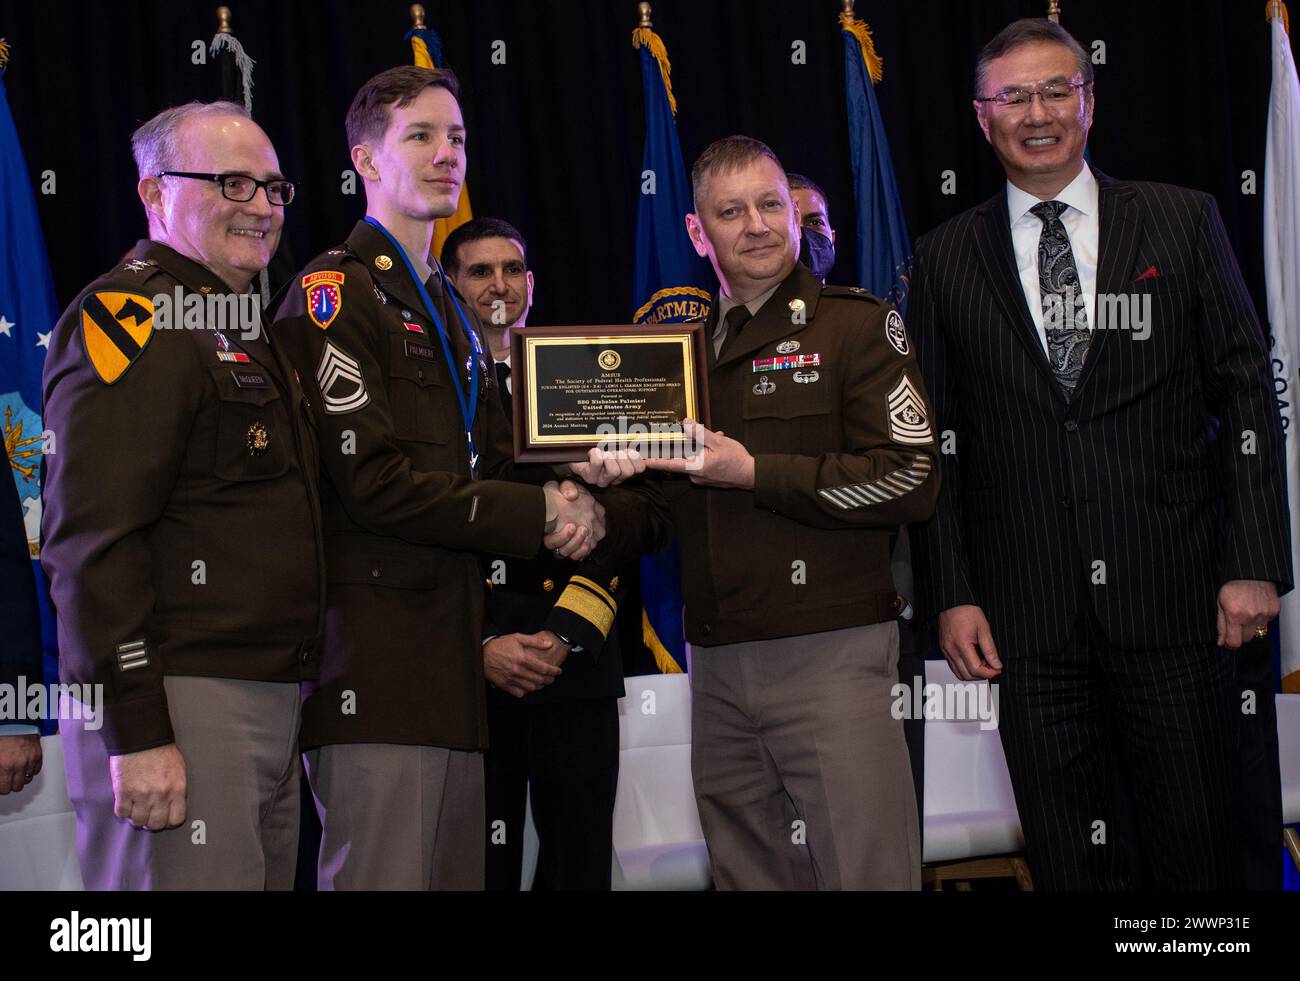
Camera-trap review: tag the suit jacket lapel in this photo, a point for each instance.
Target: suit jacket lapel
(1119, 232)
(998, 258)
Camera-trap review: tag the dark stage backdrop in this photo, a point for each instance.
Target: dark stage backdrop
(556, 132)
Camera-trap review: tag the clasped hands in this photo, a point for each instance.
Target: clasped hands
(523, 663)
(713, 460)
(579, 520)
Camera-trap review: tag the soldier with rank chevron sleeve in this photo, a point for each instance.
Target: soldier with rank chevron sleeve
(822, 445)
(181, 529)
(418, 480)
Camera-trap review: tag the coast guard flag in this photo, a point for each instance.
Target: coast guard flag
(1282, 279)
(884, 249)
(27, 317)
(670, 285)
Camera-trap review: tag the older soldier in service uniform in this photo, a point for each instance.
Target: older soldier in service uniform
(554, 744)
(181, 529)
(784, 527)
(418, 478)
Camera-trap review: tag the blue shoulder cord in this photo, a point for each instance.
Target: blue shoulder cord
(467, 413)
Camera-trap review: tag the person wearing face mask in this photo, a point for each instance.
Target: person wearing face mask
(182, 528)
(817, 252)
(816, 233)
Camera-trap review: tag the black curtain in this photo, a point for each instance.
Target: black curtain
(556, 131)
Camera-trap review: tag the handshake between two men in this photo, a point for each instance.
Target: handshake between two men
(523, 663)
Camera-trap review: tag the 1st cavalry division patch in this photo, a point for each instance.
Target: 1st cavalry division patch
(324, 296)
(115, 328)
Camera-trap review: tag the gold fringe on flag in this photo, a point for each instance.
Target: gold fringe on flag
(645, 37)
(421, 51)
(875, 66)
(1272, 10)
(4, 55)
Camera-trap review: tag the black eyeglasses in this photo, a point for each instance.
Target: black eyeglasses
(241, 187)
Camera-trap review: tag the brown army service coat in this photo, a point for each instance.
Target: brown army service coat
(180, 519)
(844, 452)
(404, 521)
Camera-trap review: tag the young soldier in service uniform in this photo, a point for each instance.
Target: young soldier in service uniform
(181, 527)
(784, 527)
(417, 479)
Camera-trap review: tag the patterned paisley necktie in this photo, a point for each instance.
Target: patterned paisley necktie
(1065, 318)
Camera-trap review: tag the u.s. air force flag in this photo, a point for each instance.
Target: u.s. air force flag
(670, 285)
(27, 317)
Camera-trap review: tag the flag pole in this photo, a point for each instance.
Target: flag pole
(1054, 11)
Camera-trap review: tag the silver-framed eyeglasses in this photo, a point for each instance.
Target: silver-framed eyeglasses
(1052, 94)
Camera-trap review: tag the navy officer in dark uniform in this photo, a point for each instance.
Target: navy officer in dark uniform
(556, 743)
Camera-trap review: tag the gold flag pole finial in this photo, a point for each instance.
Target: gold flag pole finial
(1276, 10)
(1054, 11)
(223, 21)
(417, 16)
(643, 9)
(850, 23)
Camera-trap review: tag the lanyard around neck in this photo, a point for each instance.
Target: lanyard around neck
(467, 411)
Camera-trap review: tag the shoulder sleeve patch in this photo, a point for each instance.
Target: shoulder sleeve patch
(324, 296)
(116, 327)
(895, 332)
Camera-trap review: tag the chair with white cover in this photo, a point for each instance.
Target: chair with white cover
(971, 825)
(658, 843)
(38, 830)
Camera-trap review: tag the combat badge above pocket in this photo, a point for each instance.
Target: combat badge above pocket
(251, 425)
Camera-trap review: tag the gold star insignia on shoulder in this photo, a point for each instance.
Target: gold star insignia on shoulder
(383, 263)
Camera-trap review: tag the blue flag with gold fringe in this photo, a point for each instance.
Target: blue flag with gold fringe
(884, 249)
(27, 318)
(670, 285)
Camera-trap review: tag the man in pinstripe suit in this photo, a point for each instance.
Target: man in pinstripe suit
(1095, 546)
